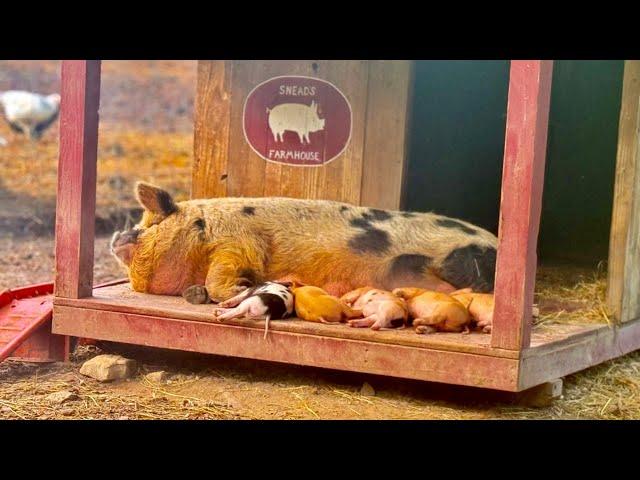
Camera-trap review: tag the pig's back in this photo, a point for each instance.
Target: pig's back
(327, 235)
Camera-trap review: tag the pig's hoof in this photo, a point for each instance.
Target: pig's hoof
(196, 294)
(425, 329)
(487, 329)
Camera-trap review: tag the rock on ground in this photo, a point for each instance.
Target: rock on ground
(367, 390)
(157, 377)
(61, 397)
(105, 368)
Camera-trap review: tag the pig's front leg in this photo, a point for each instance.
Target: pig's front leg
(235, 265)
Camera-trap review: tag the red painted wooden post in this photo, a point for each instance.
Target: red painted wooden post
(520, 204)
(76, 202)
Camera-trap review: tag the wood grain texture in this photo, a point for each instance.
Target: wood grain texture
(76, 199)
(294, 348)
(222, 90)
(122, 299)
(211, 129)
(631, 287)
(387, 133)
(521, 200)
(546, 363)
(626, 171)
(118, 296)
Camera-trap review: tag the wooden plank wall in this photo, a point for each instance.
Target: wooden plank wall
(224, 164)
(626, 170)
(387, 133)
(211, 130)
(631, 290)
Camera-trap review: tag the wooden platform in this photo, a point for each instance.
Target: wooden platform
(117, 313)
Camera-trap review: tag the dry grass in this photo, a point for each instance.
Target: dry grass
(571, 294)
(209, 387)
(30, 169)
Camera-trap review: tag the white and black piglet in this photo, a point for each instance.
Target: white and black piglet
(271, 299)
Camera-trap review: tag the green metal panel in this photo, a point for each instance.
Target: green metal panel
(581, 159)
(457, 142)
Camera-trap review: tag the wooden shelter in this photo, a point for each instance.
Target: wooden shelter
(369, 172)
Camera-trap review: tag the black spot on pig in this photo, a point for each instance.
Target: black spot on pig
(379, 215)
(408, 214)
(166, 203)
(409, 263)
(248, 211)
(344, 208)
(360, 223)
(471, 266)
(275, 304)
(372, 240)
(449, 223)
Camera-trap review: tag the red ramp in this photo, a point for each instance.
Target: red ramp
(25, 325)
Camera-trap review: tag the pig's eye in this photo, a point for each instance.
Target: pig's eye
(199, 224)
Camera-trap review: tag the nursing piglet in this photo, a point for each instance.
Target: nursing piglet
(434, 311)
(480, 306)
(271, 299)
(380, 308)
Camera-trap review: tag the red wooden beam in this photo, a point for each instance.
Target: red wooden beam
(520, 204)
(76, 202)
(294, 348)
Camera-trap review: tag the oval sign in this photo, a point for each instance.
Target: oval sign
(295, 120)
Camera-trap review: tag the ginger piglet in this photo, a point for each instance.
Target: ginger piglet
(435, 311)
(313, 304)
(480, 306)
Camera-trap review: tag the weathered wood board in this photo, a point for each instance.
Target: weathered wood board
(631, 287)
(624, 190)
(76, 202)
(521, 200)
(370, 171)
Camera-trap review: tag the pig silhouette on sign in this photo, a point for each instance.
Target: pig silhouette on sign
(295, 117)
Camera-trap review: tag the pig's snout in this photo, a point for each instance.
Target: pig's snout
(120, 239)
(122, 244)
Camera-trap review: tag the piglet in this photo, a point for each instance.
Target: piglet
(435, 311)
(381, 309)
(480, 306)
(271, 299)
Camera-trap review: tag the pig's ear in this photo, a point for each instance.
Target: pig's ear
(155, 199)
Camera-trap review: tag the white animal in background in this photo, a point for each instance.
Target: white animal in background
(30, 113)
(295, 117)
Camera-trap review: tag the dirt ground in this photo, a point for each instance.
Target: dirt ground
(146, 122)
